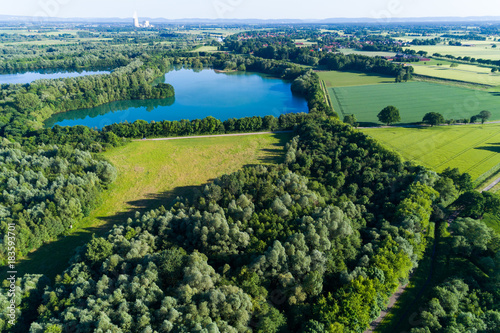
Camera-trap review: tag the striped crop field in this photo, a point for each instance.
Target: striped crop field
(474, 149)
(414, 100)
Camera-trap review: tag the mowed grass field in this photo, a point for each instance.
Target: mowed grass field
(474, 149)
(414, 100)
(368, 53)
(347, 79)
(205, 48)
(481, 49)
(151, 174)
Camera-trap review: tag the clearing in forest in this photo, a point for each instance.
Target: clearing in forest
(154, 173)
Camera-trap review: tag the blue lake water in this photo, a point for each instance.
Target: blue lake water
(29, 77)
(198, 94)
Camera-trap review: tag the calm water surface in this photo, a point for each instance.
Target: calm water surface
(29, 77)
(198, 94)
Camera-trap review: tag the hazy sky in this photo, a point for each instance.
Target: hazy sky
(264, 9)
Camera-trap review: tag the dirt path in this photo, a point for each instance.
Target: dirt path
(392, 300)
(210, 136)
(491, 185)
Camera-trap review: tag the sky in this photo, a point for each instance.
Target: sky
(245, 9)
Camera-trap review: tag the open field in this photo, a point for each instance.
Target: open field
(303, 41)
(153, 173)
(206, 48)
(481, 50)
(346, 79)
(368, 53)
(463, 72)
(414, 100)
(470, 148)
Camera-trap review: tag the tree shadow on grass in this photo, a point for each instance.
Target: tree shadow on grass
(152, 201)
(276, 154)
(52, 258)
(493, 147)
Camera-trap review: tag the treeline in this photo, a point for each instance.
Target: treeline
(430, 41)
(282, 48)
(363, 64)
(25, 107)
(208, 125)
(316, 244)
(46, 192)
(116, 134)
(469, 59)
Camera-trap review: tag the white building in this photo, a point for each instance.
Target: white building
(145, 24)
(136, 20)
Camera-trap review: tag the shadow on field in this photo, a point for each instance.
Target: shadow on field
(493, 147)
(275, 155)
(153, 201)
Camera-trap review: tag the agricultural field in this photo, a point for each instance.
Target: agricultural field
(154, 173)
(303, 41)
(470, 148)
(205, 48)
(464, 72)
(414, 100)
(480, 50)
(346, 79)
(368, 53)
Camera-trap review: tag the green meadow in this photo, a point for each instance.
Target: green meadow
(348, 79)
(151, 174)
(470, 148)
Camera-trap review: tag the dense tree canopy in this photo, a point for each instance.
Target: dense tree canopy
(302, 246)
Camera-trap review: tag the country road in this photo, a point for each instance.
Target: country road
(210, 136)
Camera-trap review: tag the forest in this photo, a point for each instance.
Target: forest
(304, 246)
(317, 243)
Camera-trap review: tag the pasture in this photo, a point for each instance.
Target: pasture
(205, 48)
(346, 79)
(368, 53)
(154, 173)
(474, 149)
(414, 100)
(481, 49)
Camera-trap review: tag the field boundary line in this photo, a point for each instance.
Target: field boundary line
(338, 101)
(327, 96)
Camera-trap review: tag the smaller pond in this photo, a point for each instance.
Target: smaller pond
(198, 94)
(28, 77)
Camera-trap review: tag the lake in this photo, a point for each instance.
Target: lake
(198, 94)
(29, 77)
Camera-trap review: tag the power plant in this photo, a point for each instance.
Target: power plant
(145, 24)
